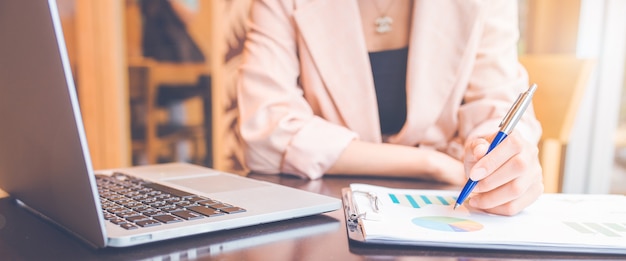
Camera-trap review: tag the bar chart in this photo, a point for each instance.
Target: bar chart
(605, 229)
(419, 201)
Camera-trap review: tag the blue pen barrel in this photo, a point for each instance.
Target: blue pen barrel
(499, 138)
(469, 186)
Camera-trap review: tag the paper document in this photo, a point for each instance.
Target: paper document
(555, 222)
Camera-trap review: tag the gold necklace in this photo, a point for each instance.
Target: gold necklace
(383, 21)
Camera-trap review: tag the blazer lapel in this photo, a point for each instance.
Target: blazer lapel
(436, 51)
(333, 35)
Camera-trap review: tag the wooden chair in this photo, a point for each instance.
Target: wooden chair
(561, 80)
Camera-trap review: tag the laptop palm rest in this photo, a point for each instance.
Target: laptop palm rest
(215, 183)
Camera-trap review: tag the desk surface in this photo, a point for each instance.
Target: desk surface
(23, 236)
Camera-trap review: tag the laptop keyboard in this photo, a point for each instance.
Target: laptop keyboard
(132, 203)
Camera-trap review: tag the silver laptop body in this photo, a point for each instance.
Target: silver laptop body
(44, 157)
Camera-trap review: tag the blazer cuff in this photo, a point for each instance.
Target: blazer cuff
(315, 148)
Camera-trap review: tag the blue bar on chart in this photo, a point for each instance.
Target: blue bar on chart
(418, 201)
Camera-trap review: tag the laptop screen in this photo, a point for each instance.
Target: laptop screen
(44, 160)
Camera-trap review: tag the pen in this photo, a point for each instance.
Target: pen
(506, 126)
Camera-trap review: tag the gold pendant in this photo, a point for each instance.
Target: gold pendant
(383, 24)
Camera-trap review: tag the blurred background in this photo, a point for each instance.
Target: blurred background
(156, 83)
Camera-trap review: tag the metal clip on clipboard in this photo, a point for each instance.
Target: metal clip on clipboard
(353, 216)
(352, 213)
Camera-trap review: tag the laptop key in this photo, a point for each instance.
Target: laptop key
(136, 218)
(148, 223)
(127, 214)
(141, 208)
(167, 219)
(208, 202)
(117, 210)
(220, 206)
(158, 204)
(188, 215)
(109, 216)
(232, 210)
(128, 226)
(183, 204)
(197, 198)
(170, 208)
(209, 212)
(153, 212)
(118, 221)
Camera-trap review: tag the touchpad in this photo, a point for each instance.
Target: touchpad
(219, 183)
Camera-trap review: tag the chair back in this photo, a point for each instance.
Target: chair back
(561, 80)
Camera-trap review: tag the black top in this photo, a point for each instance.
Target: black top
(389, 70)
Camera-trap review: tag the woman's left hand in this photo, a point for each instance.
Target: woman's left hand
(510, 175)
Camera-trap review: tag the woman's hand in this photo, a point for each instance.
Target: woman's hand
(510, 175)
(445, 169)
(391, 160)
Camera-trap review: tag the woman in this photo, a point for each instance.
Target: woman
(389, 88)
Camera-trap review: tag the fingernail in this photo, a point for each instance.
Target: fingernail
(478, 174)
(473, 202)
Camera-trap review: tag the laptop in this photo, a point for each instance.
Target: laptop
(45, 164)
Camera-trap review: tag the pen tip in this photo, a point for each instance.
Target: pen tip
(456, 205)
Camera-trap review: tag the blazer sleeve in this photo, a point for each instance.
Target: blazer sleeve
(280, 132)
(497, 77)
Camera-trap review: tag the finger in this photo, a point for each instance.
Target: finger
(476, 150)
(496, 158)
(501, 195)
(514, 168)
(523, 165)
(509, 191)
(515, 206)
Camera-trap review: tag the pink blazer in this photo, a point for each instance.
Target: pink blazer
(306, 87)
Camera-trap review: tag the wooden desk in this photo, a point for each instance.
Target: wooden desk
(23, 236)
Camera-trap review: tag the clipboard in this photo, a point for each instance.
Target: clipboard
(365, 205)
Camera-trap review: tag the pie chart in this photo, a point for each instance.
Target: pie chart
(447, 224)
